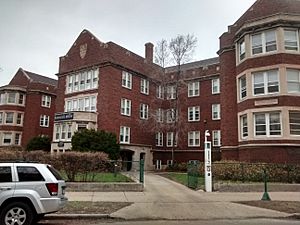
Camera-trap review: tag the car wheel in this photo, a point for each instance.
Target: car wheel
(16, 213)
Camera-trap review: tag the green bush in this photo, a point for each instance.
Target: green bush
(39, 143)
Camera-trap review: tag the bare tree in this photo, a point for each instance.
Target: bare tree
(179, 51)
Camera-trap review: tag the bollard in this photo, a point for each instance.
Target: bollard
(265, 196)
(142, 171)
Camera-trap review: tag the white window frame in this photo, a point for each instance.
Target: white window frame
(44, 121)
(171, 115)
(144, 86)
(6, 117)
(46, 101)
(291, 47)
(194, 139)
(171, 92)
(126, 80)
(193, 89)
(170, 142)
(293, 81)
(160, 92)
(2, 117)
(267, 124)
(19, 120)
(215, 86)
(8, 136)
(159, 139)
(242, 50)
(215, 111)
(160, 115)
(124, 135)
(13, 97)
(294, 125)
(18, 137)
(144, 111)
(125, 107)
(194, 113)
(265, 84)
(244, 126)
(243, 89)
(216, 138)
(263, 45)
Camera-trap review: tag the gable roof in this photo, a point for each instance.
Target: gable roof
(40, 79)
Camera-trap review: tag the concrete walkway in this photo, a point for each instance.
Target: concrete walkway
(165, 199)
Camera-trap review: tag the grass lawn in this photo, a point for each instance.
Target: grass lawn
(182, 178)
(99, 177)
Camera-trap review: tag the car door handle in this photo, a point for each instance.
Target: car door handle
(5, 188)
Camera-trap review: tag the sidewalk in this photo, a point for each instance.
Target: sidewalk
(167, 200)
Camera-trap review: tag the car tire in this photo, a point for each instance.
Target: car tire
(17, 213)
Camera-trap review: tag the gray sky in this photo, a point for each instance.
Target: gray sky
(35, 33)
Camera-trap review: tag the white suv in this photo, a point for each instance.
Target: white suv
(28, 191)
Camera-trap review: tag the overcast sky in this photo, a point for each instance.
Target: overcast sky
(35, 33)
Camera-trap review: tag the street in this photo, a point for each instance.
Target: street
(180, 222)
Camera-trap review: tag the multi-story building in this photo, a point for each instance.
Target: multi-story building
(260, 82)
(106, 87)
(27, 107)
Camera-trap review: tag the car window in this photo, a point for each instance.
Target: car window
(5, 174)
(26, 173)
(55, 173)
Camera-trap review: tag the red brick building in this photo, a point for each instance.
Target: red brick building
(260, 82)
(27, 107)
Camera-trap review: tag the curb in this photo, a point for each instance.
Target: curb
(294, 216)
(77, 216)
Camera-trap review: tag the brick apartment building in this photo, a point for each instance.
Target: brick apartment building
(27, 107)
(260, 82)
(249, 95)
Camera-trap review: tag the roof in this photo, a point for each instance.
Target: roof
(40, 79)
(194, 65)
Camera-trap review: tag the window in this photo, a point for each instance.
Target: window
(17, 139)
(3, 98)
(5, 174)
(125, 107)
(294, 122)
(124, 135)
(9, 117)
(244, 126)
(63, 131)
(265, 82)
(11, 97)
(82, 81)
(215, 86)
(193, 89)
(7, 138)
(159, 139)
(242, 50)
(46, 101)
(216, 136)
(264, 42)
(267, 124)
(160, 92)
(171, 115)
(75, 104)
(171, 141)
(21, 99)
(291, 40)
(44, 121)
(216, 112)
(86, 104)
(29, 174)
(80, 104)
(194, 113)
(69, 134)
(1, 117)
(293, 81)
(194, 139)
(144, 86)
(171, 92)
(57, 132)
(243, 87)
(93, 103)
(160, 115)
(126, 80)
(144, 111)
(19, 118)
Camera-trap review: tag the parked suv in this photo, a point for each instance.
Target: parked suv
(28, 191)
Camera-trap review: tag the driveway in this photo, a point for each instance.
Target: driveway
(165, 199)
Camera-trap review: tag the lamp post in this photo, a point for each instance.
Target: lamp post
(207, 162)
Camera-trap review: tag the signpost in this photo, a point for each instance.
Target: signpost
(207, 163)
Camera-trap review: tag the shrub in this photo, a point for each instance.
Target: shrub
(39, 143)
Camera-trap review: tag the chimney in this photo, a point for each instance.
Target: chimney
(149, 52)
